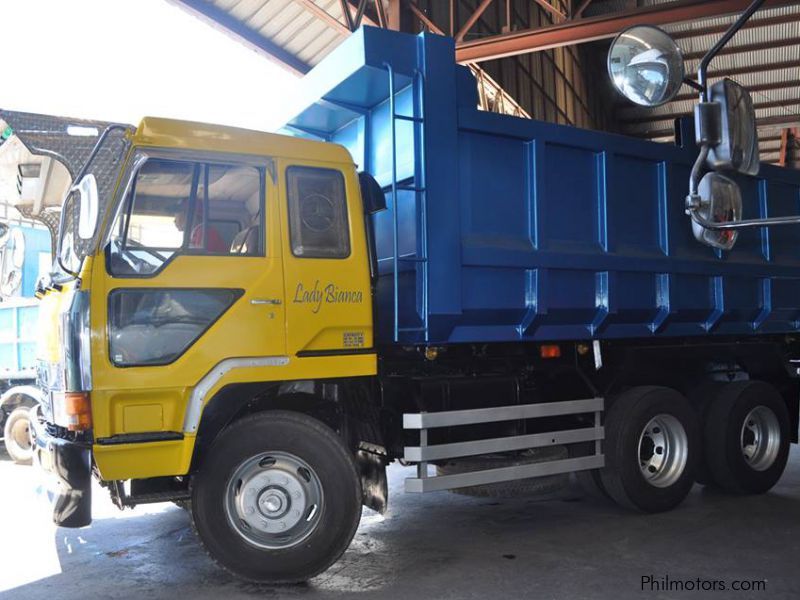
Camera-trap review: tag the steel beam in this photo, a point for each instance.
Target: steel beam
(324, 15)
(423, 18)
(473, 18)
(382, 22)
(600, 27)
(222, 21)
(579, 11)
(348, 16)
(551, 9)
(362, 6)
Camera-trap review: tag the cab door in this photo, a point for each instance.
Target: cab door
(191, 276)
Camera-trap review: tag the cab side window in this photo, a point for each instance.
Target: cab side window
(318, 222)
(187, 207)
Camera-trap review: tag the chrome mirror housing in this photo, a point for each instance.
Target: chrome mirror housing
(737, 149)
(646, 65)
(720, 206)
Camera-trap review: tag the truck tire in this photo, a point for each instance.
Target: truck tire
(592, 485)
(652, 445)
(17, 437)
(277, 499)
(701, 399)
(747, 437)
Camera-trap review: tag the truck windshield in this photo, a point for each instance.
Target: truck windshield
(104, 163)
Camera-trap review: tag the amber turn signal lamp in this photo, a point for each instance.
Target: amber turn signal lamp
(78, 411)
(550, 351)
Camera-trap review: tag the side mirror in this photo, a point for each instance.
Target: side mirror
(720, 206)
(646, 65)
(371, 194)
(737, 149)
(89, 206)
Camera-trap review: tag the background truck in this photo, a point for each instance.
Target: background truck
(26, 256)
(261, 323)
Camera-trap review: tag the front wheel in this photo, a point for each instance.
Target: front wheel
(278, 499)
(17, 436)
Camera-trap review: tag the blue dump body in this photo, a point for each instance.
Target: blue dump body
(511, 229)
(19, 314)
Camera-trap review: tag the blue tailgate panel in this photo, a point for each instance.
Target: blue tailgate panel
(535, 231)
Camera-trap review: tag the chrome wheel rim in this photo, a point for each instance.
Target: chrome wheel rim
(274, 500)
(760, 438)
(21, 434)
(663, 450)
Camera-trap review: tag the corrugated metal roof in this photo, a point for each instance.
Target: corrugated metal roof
(286, 23)
(305, 33)
(763, 48)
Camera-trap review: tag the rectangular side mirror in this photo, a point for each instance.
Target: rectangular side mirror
(737, 149)
(720, 204)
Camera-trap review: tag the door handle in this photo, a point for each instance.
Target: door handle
(273, 301)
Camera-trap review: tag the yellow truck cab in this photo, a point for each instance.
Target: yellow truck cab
(222, 263)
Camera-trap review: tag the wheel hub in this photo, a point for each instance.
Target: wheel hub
(20, 433)
(274, 500)
(760, 438)
(663, 450)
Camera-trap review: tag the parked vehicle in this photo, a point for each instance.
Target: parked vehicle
(243, 320)
(24, 251)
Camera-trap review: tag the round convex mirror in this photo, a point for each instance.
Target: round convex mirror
(646, 65)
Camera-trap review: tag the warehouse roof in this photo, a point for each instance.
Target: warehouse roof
(764, 56)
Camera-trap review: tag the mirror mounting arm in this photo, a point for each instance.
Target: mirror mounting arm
(72, 188)
(702, 70)
(693, 84)
(747, 223)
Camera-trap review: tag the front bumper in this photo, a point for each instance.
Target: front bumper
(70, 466)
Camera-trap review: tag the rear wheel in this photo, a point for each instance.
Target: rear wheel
(278, 499)
(701, 399)
(17, 436)
(651, 449)
(747, 437)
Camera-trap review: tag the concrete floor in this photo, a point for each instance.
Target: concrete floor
(433, 546)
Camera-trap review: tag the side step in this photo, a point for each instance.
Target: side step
(424, 453)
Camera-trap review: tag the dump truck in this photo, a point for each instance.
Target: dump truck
(257, 324)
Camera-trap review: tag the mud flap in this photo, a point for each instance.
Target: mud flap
(371, 461)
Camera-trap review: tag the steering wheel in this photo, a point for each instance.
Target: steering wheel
(132, 244)
(124, 261)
